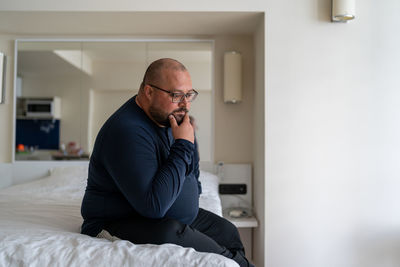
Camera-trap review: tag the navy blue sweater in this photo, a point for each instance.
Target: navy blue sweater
(138, 169)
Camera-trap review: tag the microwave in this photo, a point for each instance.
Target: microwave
(43, 107)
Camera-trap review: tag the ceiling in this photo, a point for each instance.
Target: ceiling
(128, 23)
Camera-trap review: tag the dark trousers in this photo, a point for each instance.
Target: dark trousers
(208, 233)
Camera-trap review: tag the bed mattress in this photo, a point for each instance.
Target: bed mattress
(40, 224)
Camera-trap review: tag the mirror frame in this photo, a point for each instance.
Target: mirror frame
(3, 66)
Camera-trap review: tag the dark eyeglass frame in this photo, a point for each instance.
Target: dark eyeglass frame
(193, 94)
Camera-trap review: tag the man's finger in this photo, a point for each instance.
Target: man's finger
(172, 121)
(186, 118)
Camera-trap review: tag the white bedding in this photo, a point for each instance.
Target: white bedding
(40, 224)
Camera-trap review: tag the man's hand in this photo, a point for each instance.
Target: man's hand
(182, 131)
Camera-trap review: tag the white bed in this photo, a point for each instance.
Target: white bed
(40, 224)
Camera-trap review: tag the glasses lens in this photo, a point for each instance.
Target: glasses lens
(191, 96)
(178, 97)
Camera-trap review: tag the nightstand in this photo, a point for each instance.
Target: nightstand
(246, 222)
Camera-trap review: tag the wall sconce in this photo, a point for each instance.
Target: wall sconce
(232, 77)
(343, 10)
(2, 76)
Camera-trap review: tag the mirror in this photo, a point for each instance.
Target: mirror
(66, 90)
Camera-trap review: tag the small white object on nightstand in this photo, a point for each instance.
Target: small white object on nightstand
(237, 213)
(240, 217)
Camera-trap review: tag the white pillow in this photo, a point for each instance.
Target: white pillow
(209, 183)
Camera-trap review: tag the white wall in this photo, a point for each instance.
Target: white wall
(333, 127)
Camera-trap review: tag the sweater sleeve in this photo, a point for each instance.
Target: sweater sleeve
(149, 186)
(196, 159)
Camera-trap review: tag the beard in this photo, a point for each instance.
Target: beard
(162, 117)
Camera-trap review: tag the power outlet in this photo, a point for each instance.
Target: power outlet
(232, 189)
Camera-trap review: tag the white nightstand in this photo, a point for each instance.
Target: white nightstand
(247, 222)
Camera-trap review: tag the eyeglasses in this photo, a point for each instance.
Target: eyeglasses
(178, 97)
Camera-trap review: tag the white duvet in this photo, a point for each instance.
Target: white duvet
(40, 224)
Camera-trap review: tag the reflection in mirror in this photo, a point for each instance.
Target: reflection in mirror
(67, 90)
(48, 98)
(117, 70)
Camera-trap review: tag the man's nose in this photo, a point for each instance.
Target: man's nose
(184, 102)
(183, 105)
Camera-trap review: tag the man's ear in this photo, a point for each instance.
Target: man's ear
(148, 91)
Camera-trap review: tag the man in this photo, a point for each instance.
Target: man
(143, 173)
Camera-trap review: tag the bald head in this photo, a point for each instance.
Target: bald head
(162, 78)
(155, 72)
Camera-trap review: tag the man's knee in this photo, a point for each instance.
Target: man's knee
(227, 227)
